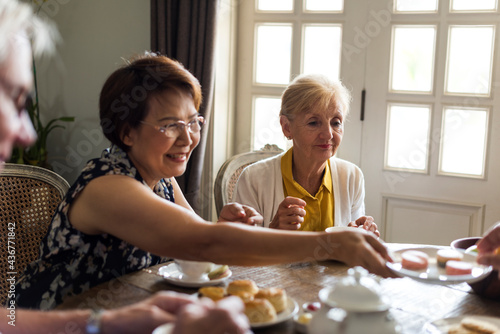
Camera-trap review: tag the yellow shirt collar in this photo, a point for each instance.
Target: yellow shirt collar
(297, 190)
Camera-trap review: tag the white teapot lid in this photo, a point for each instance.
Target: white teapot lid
(356, 292)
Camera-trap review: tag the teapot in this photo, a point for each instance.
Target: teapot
(353, 305)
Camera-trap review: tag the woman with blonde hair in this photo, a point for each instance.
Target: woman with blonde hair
(307, 188)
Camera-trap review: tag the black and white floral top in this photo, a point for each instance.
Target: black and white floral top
(70, 261)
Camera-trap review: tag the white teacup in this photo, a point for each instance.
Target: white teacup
(193, 270)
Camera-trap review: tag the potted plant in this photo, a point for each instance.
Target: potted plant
(37, 153)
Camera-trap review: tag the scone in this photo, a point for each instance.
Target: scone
(213, 292)
(260, 310)
(243, 285)
(244, 296)
(276, 296)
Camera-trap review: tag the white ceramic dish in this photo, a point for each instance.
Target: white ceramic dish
(442, 326)
(291, 309)
(435, 274)
(164, 329)
(173, 276)
(337, 228)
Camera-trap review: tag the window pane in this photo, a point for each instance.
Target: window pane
(473, 6)
(322, 46)
(266, 127)
(325, 5)
(408, 137)
(470, 52)
(416, 5)
(274, 43)
(275, 5)
(413, 58)
(463, 142)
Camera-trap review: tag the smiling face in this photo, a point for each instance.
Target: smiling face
(316, 133)
(155, 155)
(15, 85)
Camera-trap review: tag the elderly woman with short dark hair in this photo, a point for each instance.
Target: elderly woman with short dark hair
(308, 188)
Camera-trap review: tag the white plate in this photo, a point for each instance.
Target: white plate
(337, 229)
(173, 276)
(435, 274)
(164, 329)
(291, 309)
(442, 326)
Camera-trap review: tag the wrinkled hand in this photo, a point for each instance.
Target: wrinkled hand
(143, 317)
(225, 316)
(357, 247)
(236, 212)
(290, 214)
(489, 248)
(367, 223)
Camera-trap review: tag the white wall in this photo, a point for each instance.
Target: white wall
(96, 34)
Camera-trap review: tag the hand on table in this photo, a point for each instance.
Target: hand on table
(489, 248)
(144, 316)
(190, 316)
(225, 316)
(357, 247)
(236, 212)
(290, 214)
(367, 223)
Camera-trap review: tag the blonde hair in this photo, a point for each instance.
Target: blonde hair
(308, 90)
(16, 18)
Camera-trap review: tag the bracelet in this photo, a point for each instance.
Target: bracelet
(94, 322)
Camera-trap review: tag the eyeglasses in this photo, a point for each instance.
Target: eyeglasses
(174, 130)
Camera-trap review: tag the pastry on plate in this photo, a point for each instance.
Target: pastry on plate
(219, 273)
(276, 296)
(243, 285)
(447, 254)
(470, 325)
(213, 292)
(414, 260)
(259, 311)
(458, 268)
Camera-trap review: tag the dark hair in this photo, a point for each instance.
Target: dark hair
(124, 97)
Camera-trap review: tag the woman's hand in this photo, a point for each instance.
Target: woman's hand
(290, 214)
(146, 315)
(235, 212)
(225, 316)
(190, 316)
(489, 248)
(357, 247)
(367, 223)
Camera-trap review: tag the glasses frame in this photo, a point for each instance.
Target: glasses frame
(174, 129)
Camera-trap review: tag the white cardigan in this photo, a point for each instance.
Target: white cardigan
(261, 186)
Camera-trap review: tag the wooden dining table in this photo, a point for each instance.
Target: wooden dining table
(412, 304)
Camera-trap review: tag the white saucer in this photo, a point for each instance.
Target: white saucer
(174, 276)
(164, 329)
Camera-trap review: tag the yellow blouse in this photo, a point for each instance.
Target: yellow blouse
(320, 207)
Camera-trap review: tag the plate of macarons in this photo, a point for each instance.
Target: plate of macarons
(437, 265)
